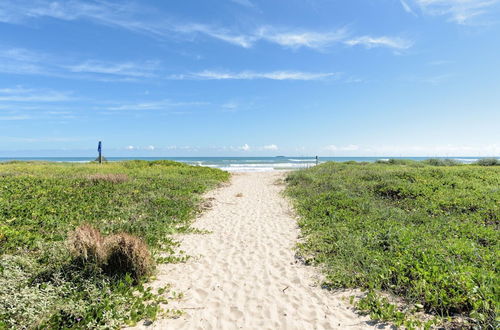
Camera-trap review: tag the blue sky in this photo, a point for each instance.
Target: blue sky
(249, 77)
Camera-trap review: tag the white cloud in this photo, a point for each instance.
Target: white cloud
(458, 11)
(371, 42)
(13, 118)
(151, 148)
(129, 69)
(270, 147)
(242, 40)
(308, 39)
(140, 19)
(244, 147)
(350, 147)
(250, 75)
(45, 139)
(245, 3)
(30, 62)
(130, 148)
(153, 105)
(407, 8)
(435, 150)
(20, 94)
(23, 61)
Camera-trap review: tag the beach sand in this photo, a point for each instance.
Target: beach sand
(244, 274)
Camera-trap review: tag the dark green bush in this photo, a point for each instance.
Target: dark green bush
(488, 162)
(441, 162)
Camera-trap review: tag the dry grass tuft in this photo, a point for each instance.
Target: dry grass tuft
(239, 195)
(127, 254)
(110, 177)
(117, 254)
(87, 244)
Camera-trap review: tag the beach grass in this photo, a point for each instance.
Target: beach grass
(41, 282)
(425, 234)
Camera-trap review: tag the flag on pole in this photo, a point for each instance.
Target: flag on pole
(99, 147)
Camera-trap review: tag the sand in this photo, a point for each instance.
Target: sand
(244, 274)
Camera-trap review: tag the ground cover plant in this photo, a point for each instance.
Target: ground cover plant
(424, 232)
(77, 240)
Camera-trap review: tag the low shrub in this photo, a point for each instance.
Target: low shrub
(441, 162)
(397, 161)
(488, 162)
(423, 233)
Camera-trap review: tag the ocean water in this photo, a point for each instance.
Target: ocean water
(239, 164)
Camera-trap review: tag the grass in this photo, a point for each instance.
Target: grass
(42, 284)
(424, 233)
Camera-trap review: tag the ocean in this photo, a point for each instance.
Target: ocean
(239, 164)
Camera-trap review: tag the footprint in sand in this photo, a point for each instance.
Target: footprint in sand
(245, 263)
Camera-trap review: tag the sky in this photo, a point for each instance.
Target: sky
(250, 77)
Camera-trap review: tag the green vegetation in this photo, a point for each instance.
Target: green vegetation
(426, 234)
(441, 162)
(48, 280)
(488, 162)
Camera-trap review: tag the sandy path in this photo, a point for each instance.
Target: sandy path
(244, 274)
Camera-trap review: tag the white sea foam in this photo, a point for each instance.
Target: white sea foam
(467, 160)
(259, 167)
(302, 160)
(279, 165)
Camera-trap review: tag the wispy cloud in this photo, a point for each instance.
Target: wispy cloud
(438, 79)
(20, 94)
(251, 75)
(458, 11)
(153, 105)
(298, 39)
(242, 40)
(270, 147)
(14, 118)
(351, 147)
(432, 150)
(407, 8)
(23, 61)
(128, 69)
(31, 62)
(371, 42)
(244, 147)
(45, 139)
(245, 3)
(140, 19)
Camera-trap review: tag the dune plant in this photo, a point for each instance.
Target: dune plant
(426, 234)
(127, 254)
(441, 162)
(65, 260)
(488, 161)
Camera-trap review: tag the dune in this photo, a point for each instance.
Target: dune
(244, 273)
